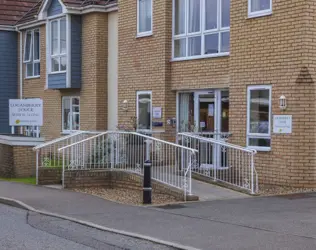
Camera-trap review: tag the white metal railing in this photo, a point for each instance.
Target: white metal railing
(222, 161)
(128, 151)
(47, 154)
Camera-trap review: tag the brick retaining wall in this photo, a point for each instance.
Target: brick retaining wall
(117, 179)
(49, 176)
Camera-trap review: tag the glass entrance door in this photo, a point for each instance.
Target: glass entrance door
(212, 119)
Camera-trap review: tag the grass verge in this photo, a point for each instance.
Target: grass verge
(30, 180)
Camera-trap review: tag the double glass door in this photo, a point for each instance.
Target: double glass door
(205, 113)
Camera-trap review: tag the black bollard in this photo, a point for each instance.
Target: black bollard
(147, 183)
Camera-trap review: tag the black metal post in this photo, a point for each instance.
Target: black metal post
(147, 183)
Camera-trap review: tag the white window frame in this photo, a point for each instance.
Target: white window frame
(138, 93)
(202, 33)
(260, 13)
(67, 131)
(259, 135)
(50, 47)
(32, 52)
(146, 33)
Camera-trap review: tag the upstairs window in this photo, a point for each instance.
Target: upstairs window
(144, 107)
(259, 7)
(144, 17)
(58, 45)
(32, 53)
(201, 28)
(71, 113)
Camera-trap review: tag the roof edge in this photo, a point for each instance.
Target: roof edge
(7, 27)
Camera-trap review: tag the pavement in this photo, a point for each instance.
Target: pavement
(280, 222)
(21, 229)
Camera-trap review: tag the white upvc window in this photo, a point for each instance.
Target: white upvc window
(259, 117)
(144, 17)
(144, 110)
(201, 28)
(70, 113)
(58, 45)
(258, 8)
(31, 57)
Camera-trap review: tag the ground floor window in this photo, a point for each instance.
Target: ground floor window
(259, 117)
(143, 110)
(71, 113)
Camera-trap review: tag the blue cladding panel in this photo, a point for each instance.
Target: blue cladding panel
(8, 76)
(55, 8)
(57, 81)
(76, 36)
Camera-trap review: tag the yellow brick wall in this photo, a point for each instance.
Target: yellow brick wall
(93, 94)
(264, 50)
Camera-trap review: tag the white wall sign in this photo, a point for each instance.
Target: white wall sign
(26, 112)
(157, 112)
(282, 124)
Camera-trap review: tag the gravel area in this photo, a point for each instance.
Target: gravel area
(131, 197)
(276, 190)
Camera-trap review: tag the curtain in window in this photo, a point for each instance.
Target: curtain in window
(28, 47)
(144, 15)
(179, 17)
(194, 16)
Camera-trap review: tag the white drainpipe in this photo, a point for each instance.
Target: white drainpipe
(21, 63)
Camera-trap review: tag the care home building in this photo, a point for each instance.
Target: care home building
(226, 68)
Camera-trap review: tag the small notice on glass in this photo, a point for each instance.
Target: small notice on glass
(282, 124)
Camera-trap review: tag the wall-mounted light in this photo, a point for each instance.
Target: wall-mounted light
(282, 100)
(125, 105)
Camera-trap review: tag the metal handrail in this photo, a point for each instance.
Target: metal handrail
(131, 133)
(219, 142)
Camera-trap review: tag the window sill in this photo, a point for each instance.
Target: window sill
(68, 132)
(140, 35)
(31, 77)
(199, 57)
(56, 73)
(260, 149)
(259, 14)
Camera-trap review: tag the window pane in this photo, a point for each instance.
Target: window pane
(75, 121)
(225, 37)
(55, 64)
(63, 63)
(28, 41)
(37, 69)
(259, 111)
(54, 38)
(194, 46)
(194, 16)
(144, 15)
(259, 142)
(62, 36)
(210, 14)
(259, 5)
(225, 13)
(29, 69)
(36, 44)
(144, 111)
(211, 44)
(179, 17)
(75, 101)
(179, 48)
(66, 113)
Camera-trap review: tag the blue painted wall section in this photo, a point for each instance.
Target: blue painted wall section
(8, 75)
(57, 81)
(76, 52)
(55, 8)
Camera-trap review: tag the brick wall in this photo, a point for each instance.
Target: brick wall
(6, 161)
(49, 176)
(17, 161)
(117, 179)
